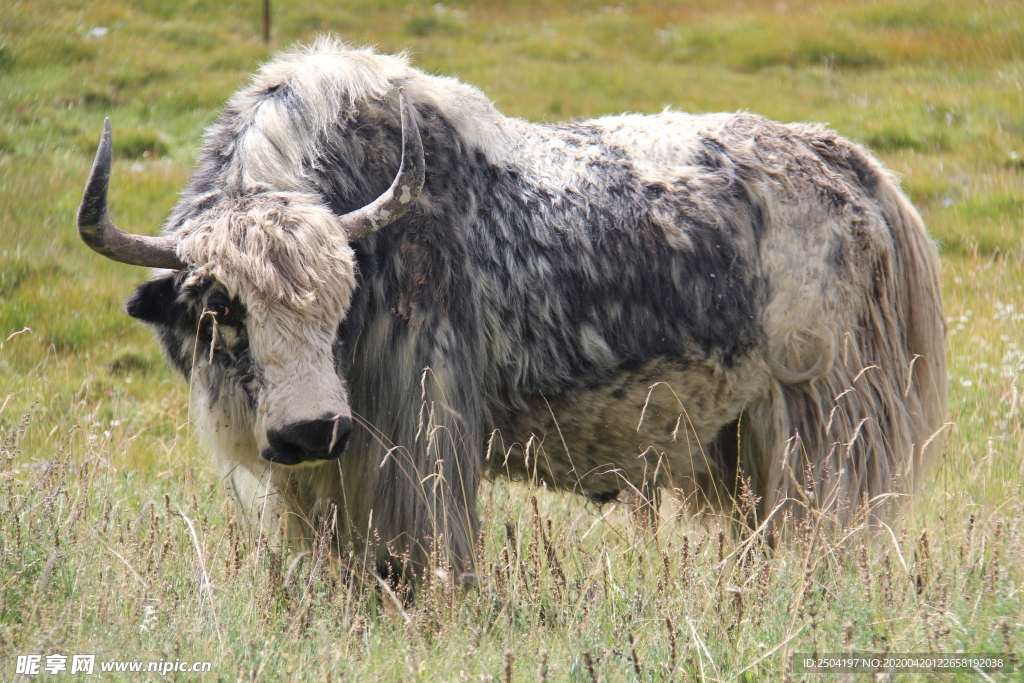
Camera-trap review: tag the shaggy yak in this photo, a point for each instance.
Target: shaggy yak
(625, 304)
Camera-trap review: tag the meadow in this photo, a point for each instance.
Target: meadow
(117, 540)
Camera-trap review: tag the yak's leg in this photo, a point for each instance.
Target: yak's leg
(409, 480)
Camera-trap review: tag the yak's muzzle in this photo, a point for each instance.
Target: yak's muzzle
(309, 441)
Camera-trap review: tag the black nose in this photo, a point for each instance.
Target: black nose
(299, 442)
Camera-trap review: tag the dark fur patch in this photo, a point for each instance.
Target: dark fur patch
(604, 496)
(837, 256)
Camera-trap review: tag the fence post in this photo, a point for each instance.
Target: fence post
(266, 21)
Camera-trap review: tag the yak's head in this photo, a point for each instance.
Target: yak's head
(249, 305)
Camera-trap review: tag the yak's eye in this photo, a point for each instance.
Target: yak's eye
(225, 310)
(218, 305)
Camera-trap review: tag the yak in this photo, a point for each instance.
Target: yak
(614, 306)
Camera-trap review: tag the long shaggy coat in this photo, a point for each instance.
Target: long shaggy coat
(624, 304)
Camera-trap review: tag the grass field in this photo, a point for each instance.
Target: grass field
(116, 540)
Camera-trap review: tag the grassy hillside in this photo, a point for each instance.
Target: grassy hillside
(102, 481)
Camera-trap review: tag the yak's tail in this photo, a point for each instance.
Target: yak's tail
(856, 429)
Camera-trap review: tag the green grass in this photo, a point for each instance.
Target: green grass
(99, 467)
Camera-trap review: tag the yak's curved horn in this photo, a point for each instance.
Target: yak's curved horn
(102, 236)
(406, 186)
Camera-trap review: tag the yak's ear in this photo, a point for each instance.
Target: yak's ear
(153, 301)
